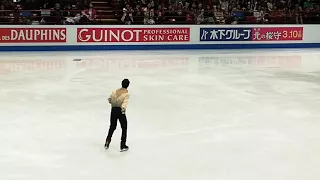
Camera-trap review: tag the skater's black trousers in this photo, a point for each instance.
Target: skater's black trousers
(115, 115)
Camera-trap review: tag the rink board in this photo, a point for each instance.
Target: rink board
(158, 37)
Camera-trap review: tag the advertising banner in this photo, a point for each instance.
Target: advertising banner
(278, 34)
(225, 34)
(33, 35)
(252, 34)
(92, 35)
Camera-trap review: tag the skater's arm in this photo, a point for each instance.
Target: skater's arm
(110, 97)
(125, 103)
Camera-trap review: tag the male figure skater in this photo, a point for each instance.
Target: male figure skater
(119, 101)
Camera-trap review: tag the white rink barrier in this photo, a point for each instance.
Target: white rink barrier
(157, 37)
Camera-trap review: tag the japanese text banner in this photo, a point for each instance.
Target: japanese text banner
(225, 34)
(277, 34)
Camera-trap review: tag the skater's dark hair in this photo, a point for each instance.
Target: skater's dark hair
(125, 83)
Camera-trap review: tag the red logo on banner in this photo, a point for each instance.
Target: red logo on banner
(133, 34)
(278, 34)
(33, 35)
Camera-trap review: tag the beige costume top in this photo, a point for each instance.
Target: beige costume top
(119, 98)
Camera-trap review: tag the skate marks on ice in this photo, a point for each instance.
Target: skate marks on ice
(311, 77)
(195, 131)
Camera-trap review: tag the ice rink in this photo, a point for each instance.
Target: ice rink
(193, 115)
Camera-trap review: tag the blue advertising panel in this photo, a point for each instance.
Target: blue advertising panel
(225, 34)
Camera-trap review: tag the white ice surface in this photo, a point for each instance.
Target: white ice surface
(193, 115)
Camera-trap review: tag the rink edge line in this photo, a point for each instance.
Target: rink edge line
(156, 47)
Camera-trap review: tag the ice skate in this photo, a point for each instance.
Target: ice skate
(106, 145)
(124, 148)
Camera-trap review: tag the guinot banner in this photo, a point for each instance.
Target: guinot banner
(92, 35)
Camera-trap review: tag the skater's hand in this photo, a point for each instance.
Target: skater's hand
(109, 99)
(123, 111)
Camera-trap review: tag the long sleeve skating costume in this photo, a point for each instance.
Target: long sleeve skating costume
(119, 98)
